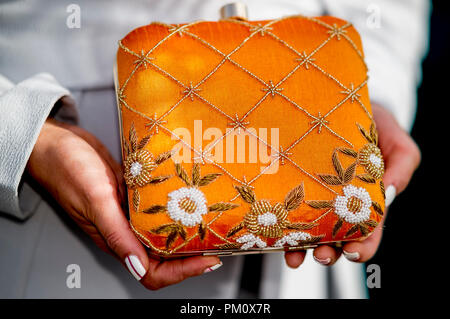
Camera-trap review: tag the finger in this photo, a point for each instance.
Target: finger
(295, 259)
(362, 251)
(110, 220)
(401, 154)
(326, 255)
(401, 163)
(162, 274)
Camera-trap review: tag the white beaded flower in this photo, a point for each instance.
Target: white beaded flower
(250, 240)
(187, 205)
(292, 239)
(354, 206)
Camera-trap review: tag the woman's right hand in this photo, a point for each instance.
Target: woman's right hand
(78, 171)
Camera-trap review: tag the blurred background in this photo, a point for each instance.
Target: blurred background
(408, 255)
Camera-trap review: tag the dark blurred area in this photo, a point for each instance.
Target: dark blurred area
(412, 263)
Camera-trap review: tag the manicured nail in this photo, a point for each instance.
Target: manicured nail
(351, 256)
(135, 267)
(324, 261)
(212, 268)
(390, 194)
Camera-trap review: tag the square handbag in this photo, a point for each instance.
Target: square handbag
(247, 136)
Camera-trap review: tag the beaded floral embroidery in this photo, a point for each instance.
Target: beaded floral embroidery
(187, 205)
(370, 155)
(139, 164)
(264, 220)
(355, 205)
(205, 73)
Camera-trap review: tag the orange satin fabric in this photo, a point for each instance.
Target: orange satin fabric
(151, 89)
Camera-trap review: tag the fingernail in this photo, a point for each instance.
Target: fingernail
(135, 267)
(212, 268)
(390, 194)
(351, 256)
(325, 261)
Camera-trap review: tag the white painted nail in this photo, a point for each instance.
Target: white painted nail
(390, 195)
(325, 261)
(135, 267)
(351, 256)
(212, 268)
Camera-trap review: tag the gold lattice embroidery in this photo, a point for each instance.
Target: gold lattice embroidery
(191, 91)
(320, 121)
(306, 60)
(155, 123)
(273, 89)
(261, 29)
(351, 92)
(143, 59)
(337, 31)
(238, 124)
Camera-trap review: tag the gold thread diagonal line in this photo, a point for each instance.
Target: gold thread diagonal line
(224, 55)
(214, 106)
(364, 108)
(356, 49)
(322, 216)
(302, 137)
(213, 144)
(255, 106)
(296, 105)
(338, 136)
(329, 76)
(295, 164)
(346, 98)
(311, 176)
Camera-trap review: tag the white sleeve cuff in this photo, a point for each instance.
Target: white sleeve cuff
(24, 109)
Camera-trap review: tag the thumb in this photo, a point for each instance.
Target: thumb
(116, 232)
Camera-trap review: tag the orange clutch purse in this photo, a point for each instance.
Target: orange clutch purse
(247, 136)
